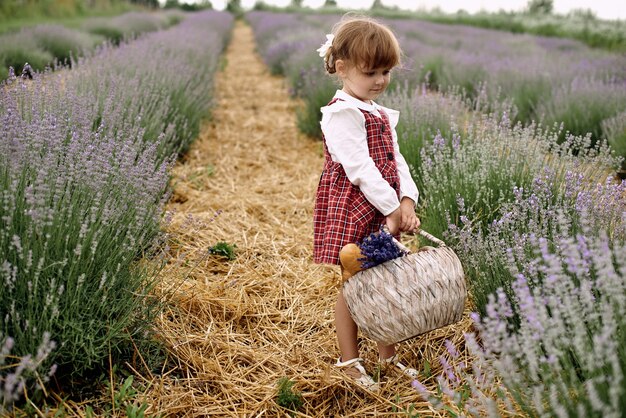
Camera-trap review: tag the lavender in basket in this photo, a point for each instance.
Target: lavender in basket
(377, 248)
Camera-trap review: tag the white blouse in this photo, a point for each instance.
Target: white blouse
(343, 126)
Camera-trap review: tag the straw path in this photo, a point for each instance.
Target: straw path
(235, 327)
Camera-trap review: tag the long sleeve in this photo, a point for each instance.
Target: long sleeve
(346, 139)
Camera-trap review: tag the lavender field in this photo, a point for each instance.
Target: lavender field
(515, 172)
(551, 81)
(167, 261)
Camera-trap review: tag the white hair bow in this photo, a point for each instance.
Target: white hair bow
(324, 48)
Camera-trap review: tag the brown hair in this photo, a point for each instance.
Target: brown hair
(363, 42)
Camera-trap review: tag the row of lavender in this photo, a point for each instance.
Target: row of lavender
(84, 158)
(549, 80)
(537, 220)
(45, 44)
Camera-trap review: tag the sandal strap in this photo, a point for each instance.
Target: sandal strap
(364, 380)
(390, 360)
(355, 362)
(348, 363)
(404, 369)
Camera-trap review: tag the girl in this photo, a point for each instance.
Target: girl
(365, 181)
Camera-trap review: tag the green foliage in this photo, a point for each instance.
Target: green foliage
(544, 7)
(426, 372)
(223, 249)
(286, 397)
(432, 71)
(408, 412)
(309, 114)
(63, 43)
(124, 397)
(378, 4)
(527, 94)
(113, 34)
(36, 9)
(146, 3)
(234, 7)
(608, 35)
(197, 178)
(14, 55)
(189, 7)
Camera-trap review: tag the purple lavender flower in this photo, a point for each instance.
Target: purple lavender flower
(377, 248)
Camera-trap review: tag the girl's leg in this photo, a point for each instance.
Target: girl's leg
(347, 339)
(386, 355)
(386, 351)
(346, 330)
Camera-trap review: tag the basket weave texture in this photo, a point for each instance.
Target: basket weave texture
(409, 295)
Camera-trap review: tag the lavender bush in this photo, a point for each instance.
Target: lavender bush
(42, 45)
(84, 156)
(529, 70)
(563, 354)
(535, 210)
(615, 129)
(62, 42)
(15, 51)
(78, 204)
(18, 372)
(132, 87)
(319, 91)
(131, 24)
(584, 104)
(482, 170)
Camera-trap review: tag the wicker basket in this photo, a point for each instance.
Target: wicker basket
(409, 295)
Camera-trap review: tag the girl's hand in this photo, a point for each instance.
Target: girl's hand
(409, 222)
(393, 221)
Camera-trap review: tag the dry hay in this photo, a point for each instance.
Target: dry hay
(236, 327)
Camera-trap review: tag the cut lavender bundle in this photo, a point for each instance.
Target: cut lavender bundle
(377, 248)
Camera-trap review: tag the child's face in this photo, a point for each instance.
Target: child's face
(365, 84)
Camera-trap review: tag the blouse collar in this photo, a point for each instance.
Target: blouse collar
(340, 94)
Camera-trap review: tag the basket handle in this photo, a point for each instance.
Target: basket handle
(431, 238)
(422, 233)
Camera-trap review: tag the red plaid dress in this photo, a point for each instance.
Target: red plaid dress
(342, 213)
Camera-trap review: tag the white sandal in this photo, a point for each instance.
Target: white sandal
(365, 381)
(408, 371)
